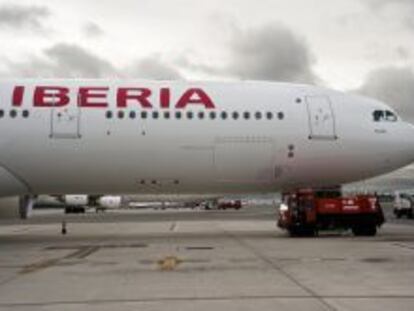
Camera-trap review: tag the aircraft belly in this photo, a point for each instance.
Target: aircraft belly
(244, 160)
(184, 169)
(11, 184)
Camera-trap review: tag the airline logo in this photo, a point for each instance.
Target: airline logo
(97, 97)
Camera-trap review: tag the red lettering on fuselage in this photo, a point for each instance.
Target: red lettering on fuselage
(139, 95)
(49, 96)
(165, 97)
(17, 98)
(93, 97)
(195, 96)
(97, 97)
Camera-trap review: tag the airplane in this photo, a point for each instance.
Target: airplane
(201, 138)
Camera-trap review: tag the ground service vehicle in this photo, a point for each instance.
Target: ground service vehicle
(306, 212)
(403, 205)
(235, 204)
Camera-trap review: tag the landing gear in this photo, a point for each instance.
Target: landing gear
(25, 206)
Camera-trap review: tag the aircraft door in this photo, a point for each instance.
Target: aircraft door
(65, 120)
(321, 118)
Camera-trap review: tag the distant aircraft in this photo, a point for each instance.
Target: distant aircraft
(202, 138)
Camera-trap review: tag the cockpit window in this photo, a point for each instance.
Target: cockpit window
(384, 115)
(378, 115)
(390, 116)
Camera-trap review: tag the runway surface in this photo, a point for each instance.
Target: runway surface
(199, 260)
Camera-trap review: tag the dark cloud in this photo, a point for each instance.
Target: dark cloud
(23, 17)
(153, 67)
(272, 53)
(63, 61)
(395, 86)
(72, 61)
(76, 61)
(92, 30)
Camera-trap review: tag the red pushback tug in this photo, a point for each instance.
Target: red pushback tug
(305, 212)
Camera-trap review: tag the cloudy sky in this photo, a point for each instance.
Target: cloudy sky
(355, 45)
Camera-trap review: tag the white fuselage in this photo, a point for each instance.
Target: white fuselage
(100, 136)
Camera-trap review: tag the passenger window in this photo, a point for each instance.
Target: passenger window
(132, 115)
(144, 114)
(189, 115)
(201, 115)
(166, 114)
(1, 113)
(378, 115)
(212, 115)
(390, 116)
(155, 114)
(280, 115)
(246, 115)
(178, 114)
(13, 113)
(109, 114)
(235, 115)
(258, 115)
(269, 115)
(224, 115)
(25, 113)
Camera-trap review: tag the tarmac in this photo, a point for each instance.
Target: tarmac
(199, 260)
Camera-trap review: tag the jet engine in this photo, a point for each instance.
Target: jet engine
(109, 202)
(76, 200)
